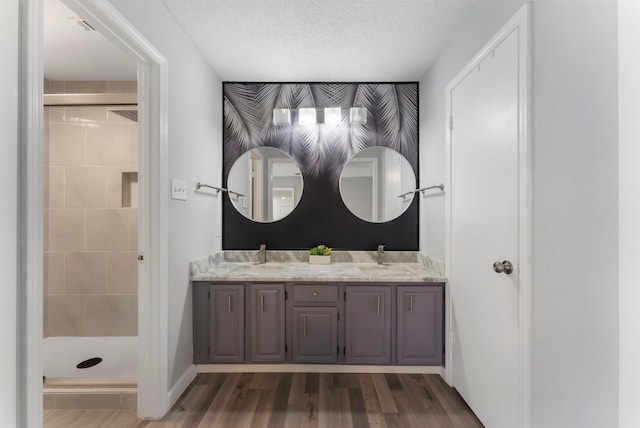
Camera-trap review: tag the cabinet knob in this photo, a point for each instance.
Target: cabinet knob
(314, 294)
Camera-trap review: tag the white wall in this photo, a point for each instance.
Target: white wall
(195, 154)
(575, 167)
(485, 18)
(575, 210)
(629, 206)
(9, 19)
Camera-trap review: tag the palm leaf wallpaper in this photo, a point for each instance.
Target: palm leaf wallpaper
(320, 151)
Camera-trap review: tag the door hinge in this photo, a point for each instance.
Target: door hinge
(338, 316)
(345, 296)
(285, 348)
(286, 295)
(208, 350)
(140, 257)
(338, 350)
(450, 123)
(209, 294)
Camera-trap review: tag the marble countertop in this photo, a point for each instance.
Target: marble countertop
(346, 266)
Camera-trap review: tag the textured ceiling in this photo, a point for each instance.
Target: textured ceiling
(71, 53)
(274, 40)
(331, 40)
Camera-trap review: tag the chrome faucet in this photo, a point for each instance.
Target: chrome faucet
(262, 254)
(380, 254)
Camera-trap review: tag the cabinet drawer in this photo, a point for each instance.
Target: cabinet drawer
(325, 293)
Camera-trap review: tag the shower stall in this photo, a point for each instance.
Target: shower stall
(90, 236)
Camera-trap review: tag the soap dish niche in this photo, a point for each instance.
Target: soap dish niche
(130, 189)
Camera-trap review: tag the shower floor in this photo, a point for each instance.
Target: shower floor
(119, 356)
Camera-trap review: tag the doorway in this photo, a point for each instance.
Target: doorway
(282, 187)
(487, 257)
(90, 167)
(153, 397)
(359, 185)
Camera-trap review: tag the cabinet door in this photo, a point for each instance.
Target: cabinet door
(226, 331)
(315, 335)
(201, 322)
(419, 335)
(266, 318)
(368, 323)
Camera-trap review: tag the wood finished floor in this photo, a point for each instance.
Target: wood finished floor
(295, 400)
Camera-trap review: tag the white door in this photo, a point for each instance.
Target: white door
(282, 202)
(484, 225)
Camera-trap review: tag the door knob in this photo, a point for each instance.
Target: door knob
(505, 266)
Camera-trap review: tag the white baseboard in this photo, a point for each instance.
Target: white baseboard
(181, 385)
(304, 368)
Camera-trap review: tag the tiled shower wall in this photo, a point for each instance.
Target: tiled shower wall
(91, 233)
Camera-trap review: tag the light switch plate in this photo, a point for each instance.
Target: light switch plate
(178, 190)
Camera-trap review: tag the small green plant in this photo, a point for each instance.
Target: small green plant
(320, 250)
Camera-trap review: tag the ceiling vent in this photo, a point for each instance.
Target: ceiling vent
(86, 26)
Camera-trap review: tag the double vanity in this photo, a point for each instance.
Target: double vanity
(285, 310)
(294, 184)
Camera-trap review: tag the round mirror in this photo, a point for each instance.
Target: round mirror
(377, 184)
(264, 184)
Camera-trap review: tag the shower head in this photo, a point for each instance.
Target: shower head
(128, 114)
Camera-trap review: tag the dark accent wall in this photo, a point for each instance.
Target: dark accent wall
(321, 217)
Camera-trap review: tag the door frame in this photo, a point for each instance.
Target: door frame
(519, 22)
(154, 396)
(256, 180)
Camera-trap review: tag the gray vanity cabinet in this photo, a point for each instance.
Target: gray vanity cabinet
(266, 318)
(420, 325)
(218, 323)
(314, 317)
(315, 335)
(201, 322)
(368, 324)
(226, 334)
(320, 323)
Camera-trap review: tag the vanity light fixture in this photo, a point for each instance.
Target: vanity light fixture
(307, 116)
(328, 115)
(332, 116)
(281, 116)
(357, 115)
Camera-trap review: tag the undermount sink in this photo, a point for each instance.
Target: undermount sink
(386, 269)
(257, 268)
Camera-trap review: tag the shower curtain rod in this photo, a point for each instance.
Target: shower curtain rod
(107, 99)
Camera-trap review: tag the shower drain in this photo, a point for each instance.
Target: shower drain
(89, 363)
